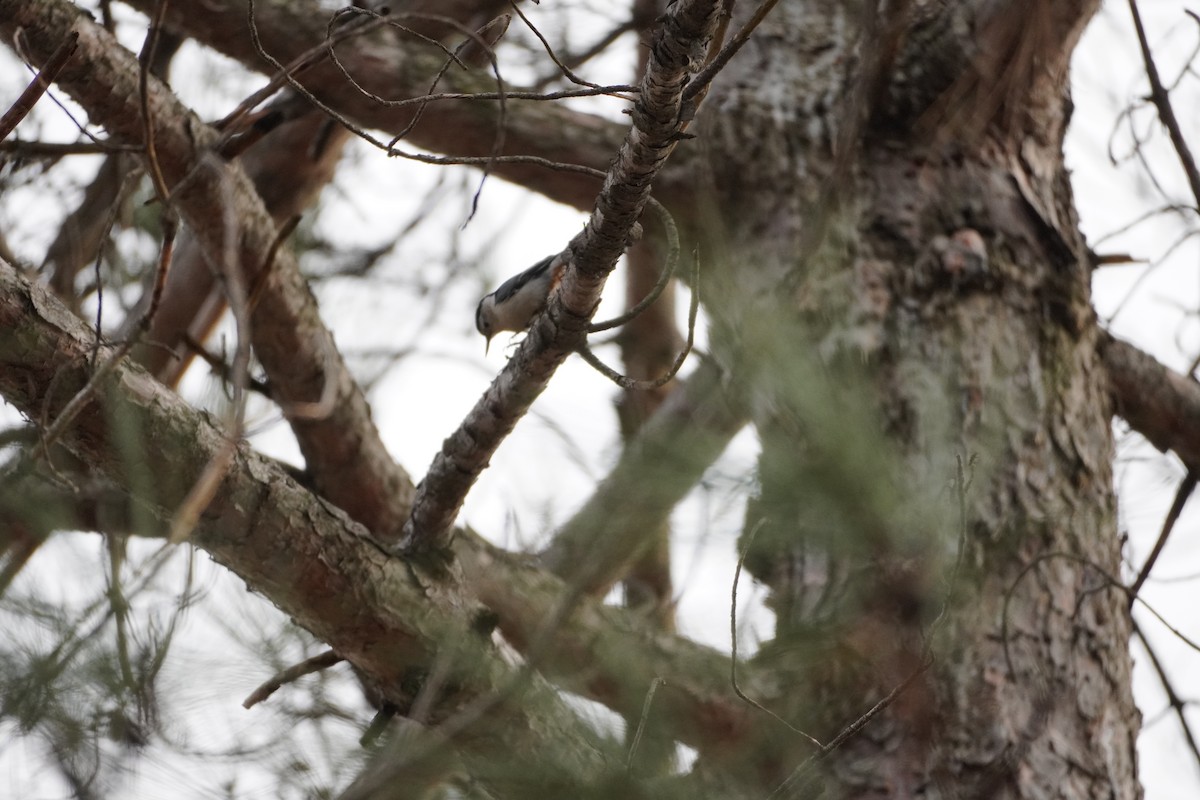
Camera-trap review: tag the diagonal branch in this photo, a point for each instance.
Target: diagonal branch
(342, 446)
(300, 552)
(381, 614)
(38, 86)
(656, 470)
(1157, 402)
(611, 655)
(658, 120)
(1162, 103)
(288, 28)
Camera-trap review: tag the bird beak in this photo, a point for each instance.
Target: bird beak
(487, 343)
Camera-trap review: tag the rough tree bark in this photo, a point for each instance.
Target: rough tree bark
(911, 217)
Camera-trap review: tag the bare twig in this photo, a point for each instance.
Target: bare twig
(285, 73)
(1181, 497)
(56, 150)
(52, 431)
(579, 59)
(562, 328)
(1177, 704)
(664, 278)
(294, 68)
(221, 369)
(846, 733)
(144, 61)
(699, 84)
(566, 71)
(733, 643)
(1103, 574)
(632, 384)
(573, 135)
(290, 675)
(264, 273)
(38, 86)
(451, 58)
(1162, 102)
(641, 728)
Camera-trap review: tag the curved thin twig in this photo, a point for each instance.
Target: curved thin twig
(641, 728)
(632, 384)
(566, 71)
(290, 675)
(664, 278)
(1176, 703)
(733, 646)
(718, 62)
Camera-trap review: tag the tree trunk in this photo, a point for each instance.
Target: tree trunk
(893, 191)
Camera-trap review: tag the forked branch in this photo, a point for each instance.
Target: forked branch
(657, 122)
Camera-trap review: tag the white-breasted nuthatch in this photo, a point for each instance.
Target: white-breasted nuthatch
(519, 299)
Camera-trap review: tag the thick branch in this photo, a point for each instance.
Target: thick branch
(1157, 402)
(323, 570)
(287, 175)
(658, 119)
(612, 656)
(290, 27)
(656, 470)
(227, 217)
(303, 554)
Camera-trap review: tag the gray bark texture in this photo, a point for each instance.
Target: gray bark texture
(918, 213)
(899, 303)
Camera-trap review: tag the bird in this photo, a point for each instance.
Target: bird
(519, 299)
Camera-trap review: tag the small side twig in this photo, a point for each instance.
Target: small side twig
(1162, 102)
(38, 86)
(631, 384)
(733, 643)
(672, 233)
(641, 728)
(699, 84)
(578, 60)
(566, 71)
(1177, 704)
(297, 65)
(55, 150)
(1181, 497)
(290, 675)
(849, 731)
(1100, 572)
(145, 58)
(221, 369)
(264, 272)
